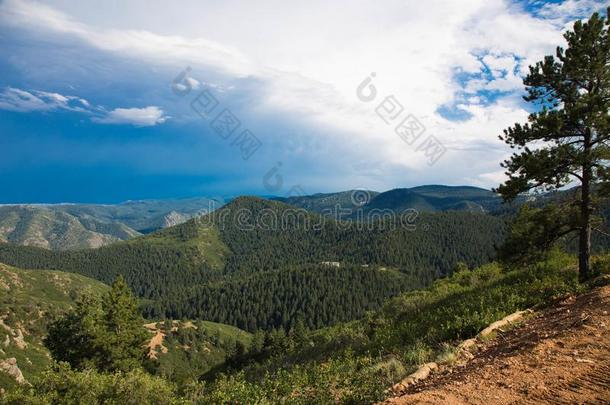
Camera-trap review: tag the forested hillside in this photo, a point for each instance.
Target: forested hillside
(327, 202)
(429, 198)
(28, 300)
(230, 255)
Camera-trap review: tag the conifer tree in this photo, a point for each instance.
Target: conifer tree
(568, 140)
(107, 335)
(124, 337)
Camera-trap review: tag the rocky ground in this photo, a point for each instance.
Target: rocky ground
(560, 355)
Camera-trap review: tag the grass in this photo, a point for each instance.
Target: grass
(203, 239)
(227, 332)
(447, 354)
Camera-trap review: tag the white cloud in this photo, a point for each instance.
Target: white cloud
(139, 43)
(569, 10)
(188, 85)
(13, 99)
(310, 57)
(141, 117)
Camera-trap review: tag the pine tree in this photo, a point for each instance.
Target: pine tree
(72, 338)
(124, 337)
(568, 140)
(107, 335)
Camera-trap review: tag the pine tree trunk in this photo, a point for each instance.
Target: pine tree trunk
(584, 248)
(584, 251)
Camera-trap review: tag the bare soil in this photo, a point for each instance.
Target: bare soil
(561, 355)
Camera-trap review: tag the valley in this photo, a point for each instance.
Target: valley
(201, 268)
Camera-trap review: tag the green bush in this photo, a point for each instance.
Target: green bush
(62, 385)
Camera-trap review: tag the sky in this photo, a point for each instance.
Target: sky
(103, 102)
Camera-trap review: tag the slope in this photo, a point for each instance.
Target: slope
(266, 251)
(358, 361)
(78, 226)
(181, 351)
(28, 299)
(54, 229)
(561, 355)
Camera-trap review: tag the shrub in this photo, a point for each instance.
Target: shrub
(62, 385)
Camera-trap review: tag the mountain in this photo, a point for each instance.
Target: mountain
(428, 198)
(56, 229)
(441, 327)
(28, 299)
(436, 198)
(257, 264)
(79, 226)
(326, 203)
(146, 216)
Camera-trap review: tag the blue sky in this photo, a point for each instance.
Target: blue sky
(96, 100)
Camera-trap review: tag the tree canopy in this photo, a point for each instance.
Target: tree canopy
(567, 140)
(105, 334)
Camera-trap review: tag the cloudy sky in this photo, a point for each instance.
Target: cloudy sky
(116, 100)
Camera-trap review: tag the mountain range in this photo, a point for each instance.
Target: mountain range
(79, 226)
(230, 268)
(428, 198)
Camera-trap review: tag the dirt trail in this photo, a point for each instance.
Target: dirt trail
(156, 341)
(560, 356)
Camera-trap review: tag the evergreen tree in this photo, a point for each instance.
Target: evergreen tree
(106, 335)
(72, 338)
(123, 339)
(568, 139)
(258, 341)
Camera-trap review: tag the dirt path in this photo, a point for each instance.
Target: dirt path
(560, 356)
(156, 341)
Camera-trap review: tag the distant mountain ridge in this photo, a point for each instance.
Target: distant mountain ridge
(55, 229)
(79, 226)
(427, 198)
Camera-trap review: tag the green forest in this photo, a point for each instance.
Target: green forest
(205, 267)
